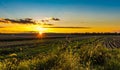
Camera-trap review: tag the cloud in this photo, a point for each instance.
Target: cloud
(55, 19)
(44, 20)
(20, 21)
(71, 27)
(3, 20)
(48, 24)
(50, 19)
(29, 21)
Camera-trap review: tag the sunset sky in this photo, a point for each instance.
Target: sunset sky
(59, 16)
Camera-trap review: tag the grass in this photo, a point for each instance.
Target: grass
(86, 54)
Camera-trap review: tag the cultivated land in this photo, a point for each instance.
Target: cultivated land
(59, 52)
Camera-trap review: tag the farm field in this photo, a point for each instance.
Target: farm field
(60, 52)
(59, 34)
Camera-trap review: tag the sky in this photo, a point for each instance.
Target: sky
(74, 16)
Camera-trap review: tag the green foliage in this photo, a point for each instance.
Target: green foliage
(72, 54)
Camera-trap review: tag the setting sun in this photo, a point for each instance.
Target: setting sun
(39, 29)
(40, 33)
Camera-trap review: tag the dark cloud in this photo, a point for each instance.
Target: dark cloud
(55, 19)
(50, 19)
(28, 21)
(21, 21)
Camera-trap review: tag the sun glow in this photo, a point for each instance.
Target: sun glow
(40, 33)
(40, 29)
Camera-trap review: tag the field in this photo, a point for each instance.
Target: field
(59, 52)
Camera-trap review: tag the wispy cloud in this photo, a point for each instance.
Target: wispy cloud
(40, 22)
(71, 27)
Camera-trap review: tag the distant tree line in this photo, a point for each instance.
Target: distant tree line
(96, 33)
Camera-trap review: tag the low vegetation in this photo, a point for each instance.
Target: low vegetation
(67, 54)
